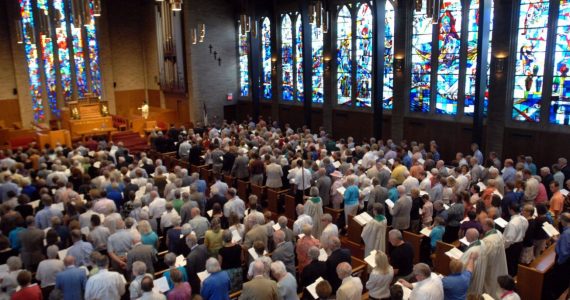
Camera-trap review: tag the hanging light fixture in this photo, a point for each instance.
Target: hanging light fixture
(311, 13)
(429, 8)
(248, 24)
(19, 31)
(194, 37)
(86, 10)
(57, 18)
(202, 30)
(45, 24)
(318, 13)
(176, 5)
(76, 13)
(436, 11)
(419, 5)
(254, 29)
(96, 8)
(325, 21)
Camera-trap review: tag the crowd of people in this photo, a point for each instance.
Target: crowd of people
(98, 222)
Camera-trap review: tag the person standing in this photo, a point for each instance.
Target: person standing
(374, 232)
(105, 284)
(71, 281)
(496, 258)
(514, 235)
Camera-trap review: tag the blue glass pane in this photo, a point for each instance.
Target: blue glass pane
(560, 99)
(421, 62)
(344, 57)
(266, 57)
(243, 64)
(317, 63)
(287, 58)
(299, 88)
(388, 93)
(448, 60)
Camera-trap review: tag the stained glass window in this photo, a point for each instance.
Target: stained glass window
(560, 101)
(63, 49)
(266, 57)
(79, 58)
(93, 48)
(48, 61)
(388, 93)
(531, 48)
(299, 59)
(421, 62)
(448, 60)
(287, 58)
(344, 57)
(243, 64)
(26, 12)
(317, 62)
(364, 56)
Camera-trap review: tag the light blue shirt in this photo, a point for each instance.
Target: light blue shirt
(43, 217)
(104, 285)
(351, 195)
(563, 246)
(81, 251)
(71, 282)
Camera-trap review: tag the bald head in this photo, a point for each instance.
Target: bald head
(472, 235)
(69, 261)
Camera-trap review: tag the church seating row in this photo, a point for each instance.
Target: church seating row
(131, 141)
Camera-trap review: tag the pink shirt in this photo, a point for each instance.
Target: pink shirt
(542, 197)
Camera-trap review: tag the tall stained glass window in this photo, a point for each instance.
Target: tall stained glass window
(266, 57)
(299, 59)
(243, 64)
(560, 100)
(388, 93)
(50, 45)
(448, 60)
(287, 58)
(344, 56)
(31, 49)
(472, 53)
(531, 50)
(421, 61)
(364, 56)
(317, 62)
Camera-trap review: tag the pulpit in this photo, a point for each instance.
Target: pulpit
(84, 119)
(54, 137)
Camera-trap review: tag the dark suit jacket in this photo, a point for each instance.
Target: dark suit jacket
(32, 241)
(194, 155)
(338, 256)
(196, 263)
(312, 272)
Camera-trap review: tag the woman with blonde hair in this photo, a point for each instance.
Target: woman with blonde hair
(378, 283)
(213, 239)
(148, 237)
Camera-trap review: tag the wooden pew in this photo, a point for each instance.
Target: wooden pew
(206, 174)
(290, 207)
(259, 191)
(335, 213)
(415, 241)
(441, 260)
(230, 181)
(354, 230)
(242, 188)
(274, 198)
(530, 279)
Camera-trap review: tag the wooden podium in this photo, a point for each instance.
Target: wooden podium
(85, 119)
(54, 137)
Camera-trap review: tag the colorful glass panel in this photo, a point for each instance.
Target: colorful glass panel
(560, 100)
(364, 56)
(48, 61)
(243, 64)
(299, 88)
(266, 57)
(79, 58)
(529, 72)
(93, 47)
(448, 60)
(26, 12)
(317, 44)
(287, 58)
(63, 49)
(421, 62)
(344, 57)
(388, 93)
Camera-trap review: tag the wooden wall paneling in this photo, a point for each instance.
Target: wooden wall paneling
(178, 103)
(352, 123)
(10, 113)
(125, 100)
(291, 114)
(154, 98)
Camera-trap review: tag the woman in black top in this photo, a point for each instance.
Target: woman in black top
(230, 257)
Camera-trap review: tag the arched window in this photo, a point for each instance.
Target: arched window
(344, 56)
(448, 60)
(299, 59)
(364, 56)
(560, 100)
(287, 58)
(388, 93)
(266, 57)
(243, 63)
(317, 62)
(421, 62)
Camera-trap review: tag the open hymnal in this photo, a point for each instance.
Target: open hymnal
(323, 256)
(464, 241)
(210, 212)
(341, 190)
(203, 275)
(454, 253)
(180, 261)
(564, 192)
(236, 237)
(501, 222)
(254, 254)
(407, 291)
(161, 285)
(363, 218)
(426, 231)
(371, 259)
(550, 230)
(336, 164)
(390, 203)
(312, 288)
(62, 253)
(276, 226)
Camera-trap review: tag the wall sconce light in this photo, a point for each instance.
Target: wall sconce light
(274, 63)
(399, 63)
(327, 60)
(500, 61)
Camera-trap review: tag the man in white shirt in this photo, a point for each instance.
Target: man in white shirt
(157, 205)
(234, 204)
(514, 234)
(302, 219)
(104, 285)
(330, 230)
(302, 180)
(167, 219)
(428, 285)
(48, 268)
(351, 287)
(220, 186)
(147, 286)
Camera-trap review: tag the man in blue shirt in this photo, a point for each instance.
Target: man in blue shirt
(43, 217)
(560, 279)
(72, 280)
(456, 284)
(217, 285)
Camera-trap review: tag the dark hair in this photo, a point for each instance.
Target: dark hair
(396, 292)
(506, 282)
(471, 215)
(95, 220)
(24, 278)
(515, 207)
(176, 276)
(147, 284)
(323, 289)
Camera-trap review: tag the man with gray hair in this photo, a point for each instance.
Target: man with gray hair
(234, 204)
(314, 269)
(48, 269)
(337, 255)
(286, 283)
(141, 252)
(199, 223)
(302, 219)
(217, 285)
(195, 261)
(259, 287)
(167, 217)
(329, 230)
(401, 255)
(139, 272)
(351, 287)
(289, 236)
(284, 251)
(105, 284)
(401, 210)
(428, 285)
